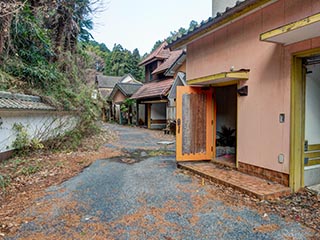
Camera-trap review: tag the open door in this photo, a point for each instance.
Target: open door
(312, 122)
(194, 124)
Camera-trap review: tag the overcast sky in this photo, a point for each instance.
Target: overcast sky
(140, 23)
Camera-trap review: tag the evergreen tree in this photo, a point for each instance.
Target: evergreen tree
(121, 61)
(156, 45)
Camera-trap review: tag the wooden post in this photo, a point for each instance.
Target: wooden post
(137, 115)
(149, 115)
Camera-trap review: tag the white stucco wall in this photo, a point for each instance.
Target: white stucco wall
(312, 127)
(158, 111)
(39, 124)
(142, 113)
(171, 113)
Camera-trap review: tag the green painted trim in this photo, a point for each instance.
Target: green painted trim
(297, 119)
(297, 135)
(221, 79)
(313, 162)
(312, 154)
(313, 147)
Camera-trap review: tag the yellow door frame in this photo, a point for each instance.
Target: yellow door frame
(238, 85)
(297, 130)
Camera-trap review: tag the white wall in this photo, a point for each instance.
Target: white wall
(117, 112)
(142, 112)
(39, 124)
(158, 111)
(171, 113)
(312, 121)
(126, 79)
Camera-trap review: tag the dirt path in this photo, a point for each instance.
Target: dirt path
(140, 194)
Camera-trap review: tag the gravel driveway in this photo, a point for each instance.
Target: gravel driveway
(136, 196)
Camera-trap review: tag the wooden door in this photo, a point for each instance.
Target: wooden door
(194, 124)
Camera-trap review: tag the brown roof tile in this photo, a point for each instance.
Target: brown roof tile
(154, 89)
(174, 55)
(107, 81)
(159, 53)
(127, 89)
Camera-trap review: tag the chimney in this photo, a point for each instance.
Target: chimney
(220, 5)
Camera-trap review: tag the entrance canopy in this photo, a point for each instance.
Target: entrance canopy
(221, 79)
(303, 29)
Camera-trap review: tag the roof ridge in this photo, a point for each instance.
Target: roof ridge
(155, 53)
(134, 83)
(210, 21)
(19, 96)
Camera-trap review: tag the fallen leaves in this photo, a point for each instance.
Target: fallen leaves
(30, 175)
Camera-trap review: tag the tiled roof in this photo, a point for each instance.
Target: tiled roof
(175, 66)
(154, 89)
(16, 101)
(107, 81)
(204, 25)
(127, 89)
(174, 55)
(105, 93)
(160, 53)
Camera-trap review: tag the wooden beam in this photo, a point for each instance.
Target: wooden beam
(312, 162)
(313, 147)
(221, 79)
(312, 154)
(290, 27)
(158, 121)
(155, 101)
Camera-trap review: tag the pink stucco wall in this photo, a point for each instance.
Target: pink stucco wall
(261, 138)
(119, 97)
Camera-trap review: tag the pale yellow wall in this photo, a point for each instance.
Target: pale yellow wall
(261, 138)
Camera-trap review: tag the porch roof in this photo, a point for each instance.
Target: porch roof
(221, 79)
(156, 89)
(174, 56)
(127, 89)
(297, 31)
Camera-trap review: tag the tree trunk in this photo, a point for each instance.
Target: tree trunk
(5, 23)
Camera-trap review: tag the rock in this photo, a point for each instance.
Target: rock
(143, 154)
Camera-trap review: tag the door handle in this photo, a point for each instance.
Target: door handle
(179, 124)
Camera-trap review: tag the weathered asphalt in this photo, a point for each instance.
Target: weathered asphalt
(141, 197)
